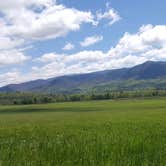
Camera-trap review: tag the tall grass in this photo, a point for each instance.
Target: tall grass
(104, 133)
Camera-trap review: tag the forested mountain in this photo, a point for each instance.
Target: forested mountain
(147, 75)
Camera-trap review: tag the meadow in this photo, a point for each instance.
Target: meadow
(93, 133)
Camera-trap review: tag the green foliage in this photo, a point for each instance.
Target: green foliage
(93, 133)
(110, 90)
(102, 87)
(38, 98)
(17, 98)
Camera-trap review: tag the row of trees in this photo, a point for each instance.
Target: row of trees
(36, 98)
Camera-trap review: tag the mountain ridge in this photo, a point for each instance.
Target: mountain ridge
(145, 71)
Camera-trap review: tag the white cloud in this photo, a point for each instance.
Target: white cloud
(19, 4)
(148, 38)
(23, 21)
(9, 78)
(110, 14)
(91, 40)
(41, 19)
(83, 62)
(8, 43)
(149, 43)
(12, 57)
(49, 57)
(68, 46)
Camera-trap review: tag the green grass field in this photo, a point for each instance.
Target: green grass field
(96, 133)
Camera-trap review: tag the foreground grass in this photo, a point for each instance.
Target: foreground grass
(101, 133)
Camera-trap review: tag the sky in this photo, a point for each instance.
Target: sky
(40, 39)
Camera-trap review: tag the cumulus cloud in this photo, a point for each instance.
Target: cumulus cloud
(49, 57)
(84, 62)
(9, 78)
(91, 40)
(68, 46)
(23, 21)
(41, 19)
(149, 43)
(8, 5)
(148, 39)
(12, 57)
(110, 14)
(8, 43)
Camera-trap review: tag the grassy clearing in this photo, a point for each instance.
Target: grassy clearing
(96, 133)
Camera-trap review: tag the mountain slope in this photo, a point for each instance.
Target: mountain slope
(146, 71)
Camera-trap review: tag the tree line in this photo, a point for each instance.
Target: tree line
(20, 98)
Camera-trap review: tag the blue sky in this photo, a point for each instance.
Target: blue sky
(48, 38)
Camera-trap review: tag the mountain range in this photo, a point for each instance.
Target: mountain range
(147, 75)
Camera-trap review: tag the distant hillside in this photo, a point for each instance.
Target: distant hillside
(147, 74)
